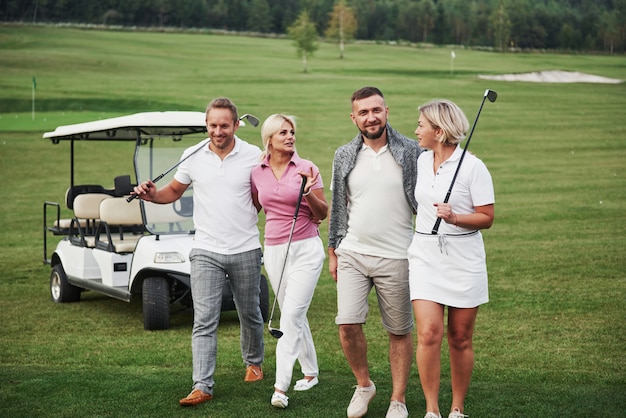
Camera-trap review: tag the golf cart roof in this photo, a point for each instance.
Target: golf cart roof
(131, 127)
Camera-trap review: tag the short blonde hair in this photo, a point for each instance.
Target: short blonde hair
(445, 114)
(271, 126)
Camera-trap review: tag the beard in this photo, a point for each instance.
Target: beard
(374, 135)
(223, 142)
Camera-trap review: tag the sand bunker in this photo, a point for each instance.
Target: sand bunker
(556, 76)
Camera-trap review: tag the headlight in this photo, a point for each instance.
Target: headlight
(169, 258)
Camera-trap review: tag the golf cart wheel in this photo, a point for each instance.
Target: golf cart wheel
(60, 289)
(265, 299)
(156, 303)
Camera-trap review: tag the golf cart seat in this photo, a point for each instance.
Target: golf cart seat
(83, 226)
(73, 192)
(61, 226)
(121, 225)
(123, 187)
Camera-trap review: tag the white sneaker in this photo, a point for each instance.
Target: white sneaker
(279, 400)
(397, 410)
(360, 400)
(432, 415)
(457, 414)
(305, 384)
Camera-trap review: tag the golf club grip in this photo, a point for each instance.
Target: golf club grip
(445, 200)
(436, 227)
(295, 215)
(134, 196)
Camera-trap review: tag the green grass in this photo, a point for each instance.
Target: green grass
(551, 341)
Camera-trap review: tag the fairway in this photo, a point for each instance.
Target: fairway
(551, 340)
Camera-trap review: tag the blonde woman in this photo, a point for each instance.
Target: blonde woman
(448, 269)
(276, 184)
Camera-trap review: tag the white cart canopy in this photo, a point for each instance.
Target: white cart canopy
(131, 127)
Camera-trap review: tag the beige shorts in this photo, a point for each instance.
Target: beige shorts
(357, 274)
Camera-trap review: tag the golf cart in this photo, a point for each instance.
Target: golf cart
(123, 247)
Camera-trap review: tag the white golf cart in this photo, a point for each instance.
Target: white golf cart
(125, 248)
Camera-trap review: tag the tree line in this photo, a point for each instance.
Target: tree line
(569, 25)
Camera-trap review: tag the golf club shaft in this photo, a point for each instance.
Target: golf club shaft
(254, 121)
(165, 173)
(293, 226)
(488, 93)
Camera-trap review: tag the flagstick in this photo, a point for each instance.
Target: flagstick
(33, 112)
(452, 56)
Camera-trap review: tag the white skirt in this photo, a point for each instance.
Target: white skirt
(448, 269)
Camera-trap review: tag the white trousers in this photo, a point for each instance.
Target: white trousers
(302, 271)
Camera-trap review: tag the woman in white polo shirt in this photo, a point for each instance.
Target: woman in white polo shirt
(448, 268)
(276, 184)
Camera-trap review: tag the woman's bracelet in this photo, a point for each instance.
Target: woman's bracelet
(307, 193)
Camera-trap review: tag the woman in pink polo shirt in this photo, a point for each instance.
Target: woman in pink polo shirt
(276, 186)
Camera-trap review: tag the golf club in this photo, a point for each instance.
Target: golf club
(492, 96)
(254, 121)
(275, 332)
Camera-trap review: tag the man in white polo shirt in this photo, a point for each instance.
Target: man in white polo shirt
(226, 242)
(370, 230)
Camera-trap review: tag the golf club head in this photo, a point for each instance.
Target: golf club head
(276, 333)
(254, 121)
(491, 95)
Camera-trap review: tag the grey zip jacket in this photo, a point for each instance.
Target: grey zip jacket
(404, 150)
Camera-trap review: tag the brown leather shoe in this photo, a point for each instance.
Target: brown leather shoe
(195, 397)
(253, 374)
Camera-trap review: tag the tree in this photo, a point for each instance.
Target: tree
(522, 23)
(427, 13)
(342, 25)
(407, 21)
(318, 11)
(162, 8)
(458, 13)
(609, 31)
(189, 14)
(374, 19)
(501, 25)
(619, 13)
(533, 24)
(218, 14)
(569, 38)
(304, 34)
(283, 12)
(260, 19)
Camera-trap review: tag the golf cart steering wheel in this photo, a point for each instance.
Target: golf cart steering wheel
(184, 206)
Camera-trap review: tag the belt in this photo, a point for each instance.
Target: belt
(443, 237)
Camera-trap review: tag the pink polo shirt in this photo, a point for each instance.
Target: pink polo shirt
(279, 198)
